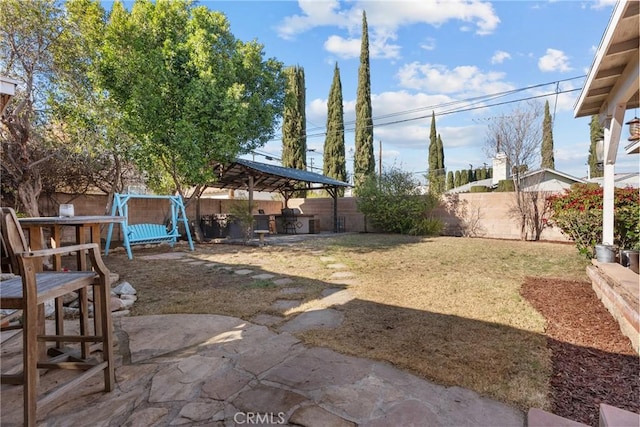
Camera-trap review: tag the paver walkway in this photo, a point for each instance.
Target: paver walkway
(218, 370)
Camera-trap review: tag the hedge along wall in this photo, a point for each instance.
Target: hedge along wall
(488, 212)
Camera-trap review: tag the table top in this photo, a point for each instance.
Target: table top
(71, 220)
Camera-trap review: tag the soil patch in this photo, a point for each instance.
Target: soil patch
(592, 361)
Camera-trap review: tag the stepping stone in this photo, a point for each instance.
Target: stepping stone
(288, 291)
(327, 259)
(342, 275)
(198, 262)
(243, 272)
(337, 266)
(283, 281)
(337, 298)
(326, 318)
(285, 304)
(266, 319)
(263, 276)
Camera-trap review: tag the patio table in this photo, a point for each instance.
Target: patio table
(82, 224)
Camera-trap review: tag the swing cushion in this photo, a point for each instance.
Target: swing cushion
(150, 233)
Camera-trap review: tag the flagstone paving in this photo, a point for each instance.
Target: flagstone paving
(217, 370)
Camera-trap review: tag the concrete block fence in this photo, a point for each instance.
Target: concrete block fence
(473, 214)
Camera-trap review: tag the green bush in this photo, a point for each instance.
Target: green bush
(393, 203)
(578, 214)
(506, 185)
(479, 189)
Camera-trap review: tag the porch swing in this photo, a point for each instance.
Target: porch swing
(141, 234)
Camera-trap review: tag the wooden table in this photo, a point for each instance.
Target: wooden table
(92, 223)
(82, 224)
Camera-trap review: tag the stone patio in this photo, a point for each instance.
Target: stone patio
(222, 371)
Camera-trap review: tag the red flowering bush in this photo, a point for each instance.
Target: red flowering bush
(578, 214)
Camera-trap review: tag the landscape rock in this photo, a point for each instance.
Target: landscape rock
(124, 288)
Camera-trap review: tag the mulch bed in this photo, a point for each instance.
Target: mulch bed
(592, 361)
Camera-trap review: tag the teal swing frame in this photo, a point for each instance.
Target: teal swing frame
(141, 234)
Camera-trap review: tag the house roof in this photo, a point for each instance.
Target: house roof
(552, 172)
(266, 177)
(613, 76)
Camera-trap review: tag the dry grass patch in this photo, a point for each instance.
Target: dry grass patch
(447, 309)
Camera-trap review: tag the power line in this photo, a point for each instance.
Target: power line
(468, 101)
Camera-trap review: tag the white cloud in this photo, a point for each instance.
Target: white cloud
(384, 18)
(600, 4)
(379, 46)
(499, 57)
(554, 60)
(465, 78)
(428, 44)
(341, 47)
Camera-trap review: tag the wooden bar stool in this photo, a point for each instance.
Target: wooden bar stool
(29, 291)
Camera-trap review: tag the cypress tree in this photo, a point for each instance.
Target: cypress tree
(364, 162)
(441, 171)
(334, 152)
(547, 140)
(596, 133)
(294, 138)
(433, 156)
(456, 179)
(450, 182)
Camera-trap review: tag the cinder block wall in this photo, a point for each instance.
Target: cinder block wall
(489, 211)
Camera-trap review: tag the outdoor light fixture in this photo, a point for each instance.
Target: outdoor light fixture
(600, 154)
(634, 129)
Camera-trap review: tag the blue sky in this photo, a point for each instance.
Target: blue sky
(425, 55)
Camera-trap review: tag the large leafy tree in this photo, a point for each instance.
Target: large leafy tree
(364, 161)
(294, 130)
(30, 37)
(334, 151)
(547, 139)
(595, 133)
(188, 90)
(91, 120)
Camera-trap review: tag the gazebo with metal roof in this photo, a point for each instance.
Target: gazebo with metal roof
(254, 176)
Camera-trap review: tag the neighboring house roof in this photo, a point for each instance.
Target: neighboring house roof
(535, 180)
(621, 180)
(546, 179)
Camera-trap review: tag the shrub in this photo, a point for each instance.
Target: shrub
(479, 189)
(506, 185)
(578, 214)
(393, 203)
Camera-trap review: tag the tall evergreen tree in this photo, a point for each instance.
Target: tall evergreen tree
(433, 156)
(437, 176)
(596, 133)
(457, 179)
(441, 170)
(334, 152)
(364, 162)
(547, 139)
(294, 131)
(450, 182)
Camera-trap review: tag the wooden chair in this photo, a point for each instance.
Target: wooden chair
(29, 291)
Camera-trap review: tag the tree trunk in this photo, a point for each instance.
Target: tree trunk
(28, 193)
